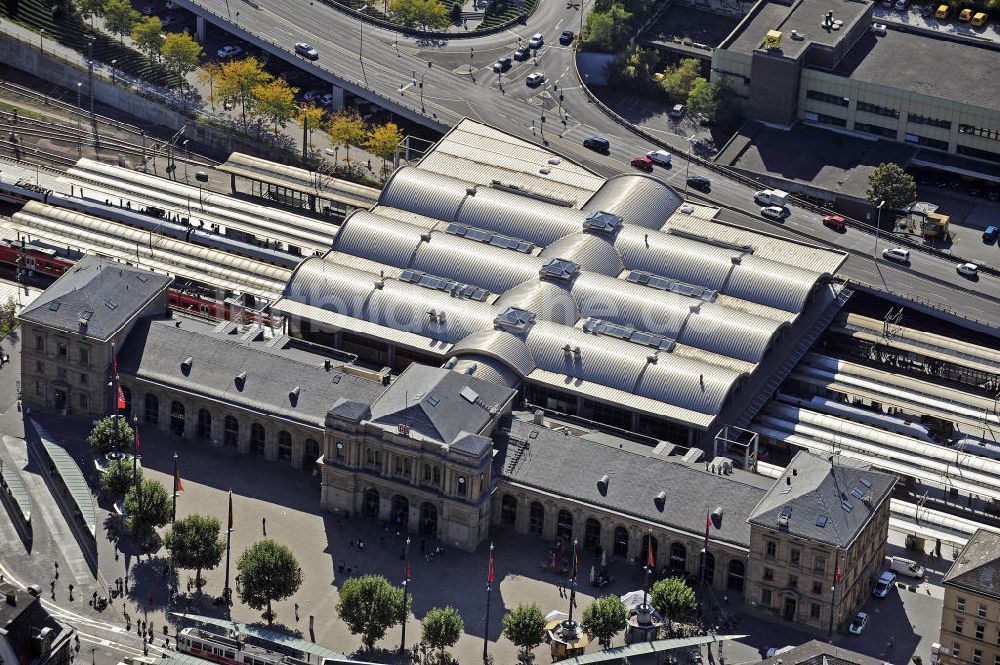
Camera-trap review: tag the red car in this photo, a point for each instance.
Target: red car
(642, 162)
(835, 222)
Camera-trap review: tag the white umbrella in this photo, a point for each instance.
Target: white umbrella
(632, 599)
(555, 614)
(593, 574)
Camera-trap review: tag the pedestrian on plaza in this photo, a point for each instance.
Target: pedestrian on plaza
(57, 568)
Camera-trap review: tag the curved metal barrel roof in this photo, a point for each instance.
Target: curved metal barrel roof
(378, 238)
(589, 251)
(548, 301)
(498, 344)
(639, 199)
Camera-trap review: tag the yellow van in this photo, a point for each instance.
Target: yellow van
(965, 15)
(942, 12)
(980, 19)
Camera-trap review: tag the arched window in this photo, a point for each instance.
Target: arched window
(737, 572)
(427, 473)
(177, 418)
(537, 518)
(678, 557)
(591, 532)
(564, 525)
(257, 438)
(460, 486)
(311, 452)
(620, 547)
(231, 431)
(436, 472)
(152, 409)
(284, 445)
(204, 424)
(508, 510)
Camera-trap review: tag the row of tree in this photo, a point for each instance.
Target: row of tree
(612, 23)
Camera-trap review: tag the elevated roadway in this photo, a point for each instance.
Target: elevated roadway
(428, 85)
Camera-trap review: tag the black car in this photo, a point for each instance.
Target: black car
(598, 143)
(502, 65)
(566, 37)
(522, 54)
(699, 182)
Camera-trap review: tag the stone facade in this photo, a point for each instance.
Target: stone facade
(792, 578)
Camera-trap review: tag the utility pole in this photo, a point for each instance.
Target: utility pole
(90, 84)
(406, 578)
(878, 224)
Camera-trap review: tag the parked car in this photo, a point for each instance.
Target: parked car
(597, 143)
(979, 19)
(522, 54)
(149, 10)
(884, 585)
(306, 51)
(313, 95)
(536, 41)
(835, 222)
(699, 182)
(858, 625)
(677, 111)
(901, 5)
(228, 51)
(942, 12)
(168, 20)
(773, 212)
(642, 162)
(906, 567)
(897, 254)
(965, 15)
(566, 37)
(661, 157)
(535, 79)
(990, 234)
(967, 269)
(326, 100)
(880, 29)
(502, 65)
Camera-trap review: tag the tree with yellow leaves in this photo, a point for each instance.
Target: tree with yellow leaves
(346, 127)
(310, 118)
(238, 80)
(181, 53)
(275, 101)
(209, 73)
(382, 141)
(148, 36)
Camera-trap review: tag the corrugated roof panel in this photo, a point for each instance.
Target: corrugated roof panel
(674, 257)
(427, 312)
(629, 304)
(297, 179)
(731, 333)
(471, 262)
(425, 193)
(499, 344)
(639, 199)
(324, 283)
(519, 216)
(548, 301)
(773, 284)
(590, 252)
(378, 239)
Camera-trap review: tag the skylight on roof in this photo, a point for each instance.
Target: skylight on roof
(857, 494)
(111, 304)
(54, 306)
(469, 394)
(821, 521)
(867, 483)
(433, 399)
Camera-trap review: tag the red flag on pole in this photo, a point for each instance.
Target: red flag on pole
(836, 571)
(230, 527)
(489, 574)
(177, 480)
(114, 365)
(407, 569)
(650, 561)
(121, 398)
(708, 525)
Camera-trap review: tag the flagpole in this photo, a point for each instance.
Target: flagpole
(135, 450)
(704, 549)
(229, 532)
(572, 587)
(406, 578)
(649, 564)
(833, 602)
(114, 393)
(489, 593)
(173, 511)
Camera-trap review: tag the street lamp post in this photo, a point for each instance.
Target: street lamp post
(361, 21)
(687, 166)
(878, 224)
(422, 92)
(114, 61)
(406, 578)
(41, 36)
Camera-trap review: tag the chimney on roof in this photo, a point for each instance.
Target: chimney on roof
(10, 596)
(788, 481)
(538, 417)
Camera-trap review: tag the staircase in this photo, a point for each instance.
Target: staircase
(794, 356)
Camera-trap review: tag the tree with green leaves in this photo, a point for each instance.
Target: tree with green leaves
(608, 30)
(426, 14)
(236, 84)
(441, 628)
(181, 53)
(634, 69)
(525, 627)
(703, 99)
(370, 605)
(268, 571)
(678, 81)
(193, 542)
(148, 36)
(120, 18)
(346, 128)
(110, 434)
(147, 508)
(90, 9)
(673, 598)
(890, 183)
(382, 141)
(8, 315)
(275, 102)
(604, 618)
(117, 478)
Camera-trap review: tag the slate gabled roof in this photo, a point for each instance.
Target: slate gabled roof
(439, 404)
(977, 568)
(103, 293)
(813, 488)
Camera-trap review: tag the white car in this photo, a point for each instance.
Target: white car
(661, 157)
(897, 254)
(773, 212)
(229, 51)
(967, 269)
(306, 51)
(858, 625)
(880, 29)
(536, 41)
(313, 95)
(535, 79)
(327, 100)
(884, 584)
